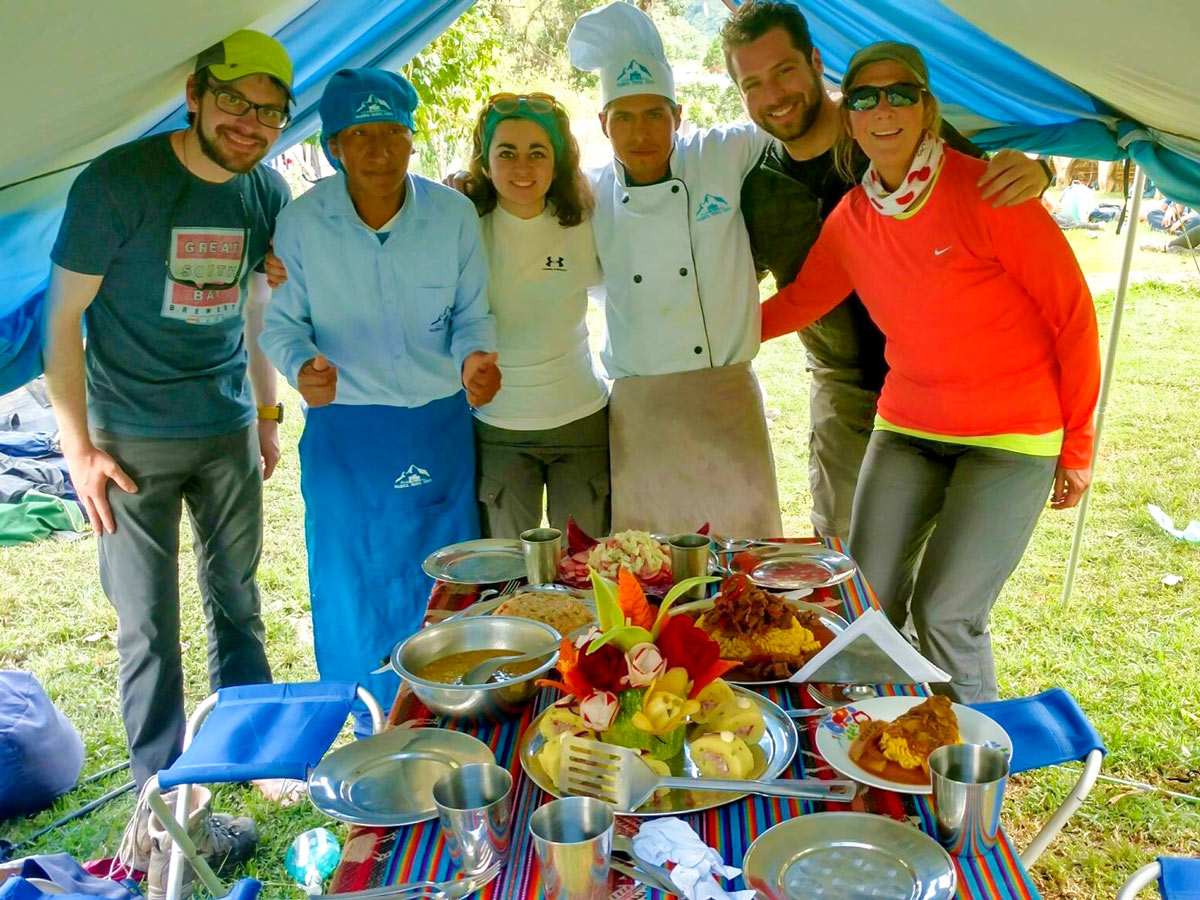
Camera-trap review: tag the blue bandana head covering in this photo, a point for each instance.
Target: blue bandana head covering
(547, 121)
(364, 95)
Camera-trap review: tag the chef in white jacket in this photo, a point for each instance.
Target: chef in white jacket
(688, 435)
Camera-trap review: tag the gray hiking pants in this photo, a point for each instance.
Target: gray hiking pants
(570, 462)
(220, 481)
(952, 521)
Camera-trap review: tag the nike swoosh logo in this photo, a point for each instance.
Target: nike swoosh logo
(940, 252)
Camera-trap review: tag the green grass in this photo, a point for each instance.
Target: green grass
(1126, 646)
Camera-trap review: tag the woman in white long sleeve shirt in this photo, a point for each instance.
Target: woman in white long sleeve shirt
(548, 429)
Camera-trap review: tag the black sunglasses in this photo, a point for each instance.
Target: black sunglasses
(177, 270)
(899, 95)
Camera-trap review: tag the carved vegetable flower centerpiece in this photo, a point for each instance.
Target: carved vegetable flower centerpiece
(639, 679)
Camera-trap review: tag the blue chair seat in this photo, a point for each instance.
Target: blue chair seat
(263, 731)
(1046, 729)
(1179, 878)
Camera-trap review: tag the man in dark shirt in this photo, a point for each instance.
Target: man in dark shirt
(157, 253)
(771, 59)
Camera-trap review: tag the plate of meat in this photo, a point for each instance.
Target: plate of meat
(771, 635)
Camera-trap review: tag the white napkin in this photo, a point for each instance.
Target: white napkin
(660, 840)
(873, 627)
(1191, 534)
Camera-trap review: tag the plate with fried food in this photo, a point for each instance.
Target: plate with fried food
(772, 636)
(561, 608)
(886, 741)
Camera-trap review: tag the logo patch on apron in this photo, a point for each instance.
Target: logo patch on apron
(413, 476)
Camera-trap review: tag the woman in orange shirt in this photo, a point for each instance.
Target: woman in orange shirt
(994, 365)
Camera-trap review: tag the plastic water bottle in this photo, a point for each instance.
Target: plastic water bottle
(312, 858)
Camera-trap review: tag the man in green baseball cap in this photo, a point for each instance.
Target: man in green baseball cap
(171, 403)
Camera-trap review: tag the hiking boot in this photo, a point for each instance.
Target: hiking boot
(221, 840)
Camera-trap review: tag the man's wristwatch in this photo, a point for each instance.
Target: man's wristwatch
(271, 413)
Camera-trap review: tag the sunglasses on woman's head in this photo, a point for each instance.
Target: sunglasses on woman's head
(507, 104)
(861, 99)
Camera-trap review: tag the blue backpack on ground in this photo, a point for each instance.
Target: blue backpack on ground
(41, 754)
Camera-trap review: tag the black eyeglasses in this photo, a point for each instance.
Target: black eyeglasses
(237, 105)
(902, 94)
(184, 271)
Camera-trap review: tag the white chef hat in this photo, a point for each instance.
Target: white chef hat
(622, 43)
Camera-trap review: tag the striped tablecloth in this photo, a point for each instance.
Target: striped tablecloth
(375, 856)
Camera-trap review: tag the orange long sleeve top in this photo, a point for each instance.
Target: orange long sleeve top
(989, 322)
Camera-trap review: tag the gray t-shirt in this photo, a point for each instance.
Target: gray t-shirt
(165, 359)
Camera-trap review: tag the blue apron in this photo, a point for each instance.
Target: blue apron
(383, 486)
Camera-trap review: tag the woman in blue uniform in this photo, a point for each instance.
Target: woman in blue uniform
(383, 326)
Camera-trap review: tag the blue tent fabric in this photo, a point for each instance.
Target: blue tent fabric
(263, 731)
(1029, 108)
(982, 82)
(327, 36)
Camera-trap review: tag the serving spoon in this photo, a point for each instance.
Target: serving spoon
(483, 672)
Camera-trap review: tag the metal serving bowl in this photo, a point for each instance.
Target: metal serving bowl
(487, 701)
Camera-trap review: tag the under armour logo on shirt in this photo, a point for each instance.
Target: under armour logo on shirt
(555, 264)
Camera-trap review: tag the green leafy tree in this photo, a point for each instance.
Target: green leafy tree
(711, 104)
(454, 76)
(714, 57)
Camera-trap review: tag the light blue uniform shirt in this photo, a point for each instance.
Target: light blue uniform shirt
(397, 318)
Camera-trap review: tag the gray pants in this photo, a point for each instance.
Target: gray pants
(220, 481)
(956, 519)
(570, 462)
(842, 414)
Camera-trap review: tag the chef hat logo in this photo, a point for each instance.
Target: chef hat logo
(634, 74)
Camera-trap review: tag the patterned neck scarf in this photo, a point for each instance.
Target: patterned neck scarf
(925, 166)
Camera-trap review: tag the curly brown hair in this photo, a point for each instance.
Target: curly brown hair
(570, 193)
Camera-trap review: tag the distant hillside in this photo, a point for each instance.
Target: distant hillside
(706, 16)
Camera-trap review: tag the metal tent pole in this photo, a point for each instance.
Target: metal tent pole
(1110, 358)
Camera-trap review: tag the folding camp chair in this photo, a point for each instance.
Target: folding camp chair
(249, 733)
(1178, 879)
(1048, 729)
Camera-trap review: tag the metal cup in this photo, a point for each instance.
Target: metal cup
(968, 790)
(690, 554)
(542, 548)
(474, 806)
(573, 839)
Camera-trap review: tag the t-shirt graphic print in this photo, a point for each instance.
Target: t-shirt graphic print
(204, 256)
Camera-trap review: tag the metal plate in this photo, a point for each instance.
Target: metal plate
(837, 732)
(484, 607)
(787, 567)
(772, 754)
(485, 561)
(828, 617)
(387, 779)
(848, 856)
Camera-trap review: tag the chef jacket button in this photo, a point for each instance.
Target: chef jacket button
(683, 271)
(625, 199)
(637, 279)
(674, 189)
(697, 350)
